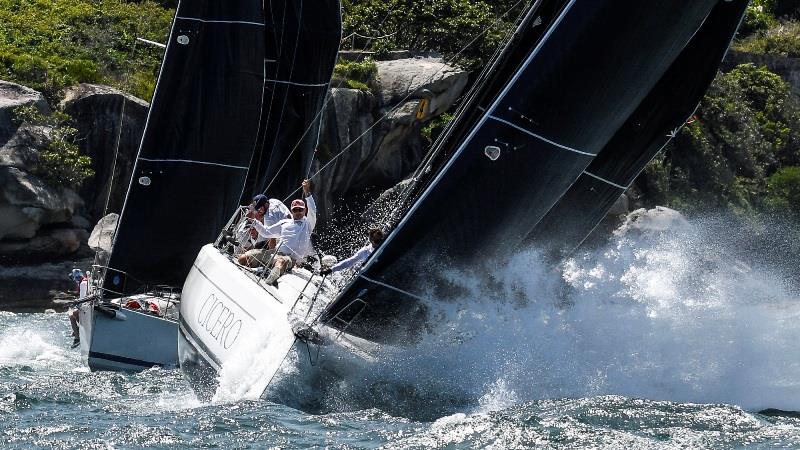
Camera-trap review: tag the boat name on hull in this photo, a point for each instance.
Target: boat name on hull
(219, 321)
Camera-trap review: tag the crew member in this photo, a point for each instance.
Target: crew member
(376, 237)
(293, 234)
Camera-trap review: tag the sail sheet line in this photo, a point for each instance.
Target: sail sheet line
(389, 286)
(191, 161)
(541, 138)
(605, 181)
(239, 22)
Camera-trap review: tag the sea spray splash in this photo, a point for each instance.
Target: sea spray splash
(663, 313)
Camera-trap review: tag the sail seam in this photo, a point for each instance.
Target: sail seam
(296, 84)
(605, 181)
(243, 22)
(541, 138)
(191, 161)
(391, 287)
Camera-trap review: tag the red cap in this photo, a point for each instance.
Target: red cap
(298, 204)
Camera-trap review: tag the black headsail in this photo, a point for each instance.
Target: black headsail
(650, 127)
(568, 93)
(200, 135)
(302, 44)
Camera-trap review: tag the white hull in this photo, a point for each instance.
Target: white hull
(119, 339)
(233, 325)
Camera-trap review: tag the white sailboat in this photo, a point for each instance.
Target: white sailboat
(190, 172)
(568, 81)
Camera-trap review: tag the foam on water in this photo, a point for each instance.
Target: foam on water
(667, 314)
(35, 345)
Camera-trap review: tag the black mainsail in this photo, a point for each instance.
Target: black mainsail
(197, 144)
(565, 94)
(302, 45)
(649, 129)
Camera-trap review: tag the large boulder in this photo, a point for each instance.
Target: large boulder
(403, 79)
(375, 137)
(13, 95)
(110, 124)
(649, 221)
(27, 204)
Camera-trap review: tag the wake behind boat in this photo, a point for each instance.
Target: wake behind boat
(573, 76)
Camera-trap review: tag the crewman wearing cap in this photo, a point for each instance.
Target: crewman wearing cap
(267, 211)
(294, 234)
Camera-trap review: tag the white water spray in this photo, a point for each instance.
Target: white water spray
(661, 313)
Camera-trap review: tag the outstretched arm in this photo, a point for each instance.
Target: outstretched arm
(311, 212)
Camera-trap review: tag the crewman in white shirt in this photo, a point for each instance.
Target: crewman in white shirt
(376, 236)
(294, 234)
(267, 211)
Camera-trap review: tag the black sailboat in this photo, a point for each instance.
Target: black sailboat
(657, 119)
(568, 82)
(565, 95)
(189, 173)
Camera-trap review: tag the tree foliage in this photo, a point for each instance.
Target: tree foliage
(60, 161)
(748, 127)
(467, 31)
(51, 44)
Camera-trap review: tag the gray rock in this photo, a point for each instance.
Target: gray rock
(52, 243)
(404, 79)
(99, 112)
(81, 222)
(13, 95)
(28, 203)
(103, 233)
(21, 148)
(656, 220)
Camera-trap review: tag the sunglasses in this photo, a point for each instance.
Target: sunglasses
(298, 209)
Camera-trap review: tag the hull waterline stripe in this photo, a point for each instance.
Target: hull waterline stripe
(541, 138)
(241, 22)
(297, 84)
(191, 161)
(391, 287)
(187, 332)
(122, 359)
(605, 181)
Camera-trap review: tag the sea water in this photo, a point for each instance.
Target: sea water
(676, 339)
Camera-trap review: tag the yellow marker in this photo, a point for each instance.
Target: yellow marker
(422, 110)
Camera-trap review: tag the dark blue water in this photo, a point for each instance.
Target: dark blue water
(654, 341)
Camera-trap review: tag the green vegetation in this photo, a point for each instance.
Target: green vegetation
(60, 162)
(51, 44)
(434, 128)
(355, 74)
(783, 192)
(748, 128)
(783, 39)
(468, 31)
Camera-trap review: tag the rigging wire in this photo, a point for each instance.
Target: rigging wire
(407, 96)
(318, 115)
